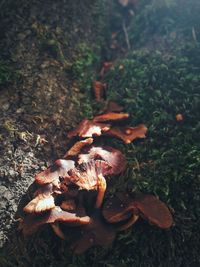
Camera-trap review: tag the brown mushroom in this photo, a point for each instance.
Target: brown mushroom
(97, 232)
(60, 168)
(89, 177)
(128, 134)
(113, 157)
(32, 222)
(76, 148)
(111, 116)
(117, 211)
(153, 210)
(42, 201)
(88, 128)
(149, 207)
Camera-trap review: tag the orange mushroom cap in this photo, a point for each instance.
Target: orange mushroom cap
(88, 128)
(128, 134)
(111, 116)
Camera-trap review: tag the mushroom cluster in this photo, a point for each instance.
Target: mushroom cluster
(70, 193)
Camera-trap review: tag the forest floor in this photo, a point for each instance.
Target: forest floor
(51, 52)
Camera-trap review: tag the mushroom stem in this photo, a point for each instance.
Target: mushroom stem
(57, 230)
(130, 222)
(101, 191)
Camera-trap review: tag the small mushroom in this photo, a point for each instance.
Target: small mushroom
(32, 222)
(128, 134)
(60, 168)
(149, 207)
(88, 128)
(111, 116)
(76, 148)
(113, 157)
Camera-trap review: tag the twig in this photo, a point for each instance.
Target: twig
(126, 35)
(194, 34)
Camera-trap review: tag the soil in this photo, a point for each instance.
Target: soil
(38, 108)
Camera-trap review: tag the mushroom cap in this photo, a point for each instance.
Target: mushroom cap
(88, 128)
(60, 168)
(76, 148)
(85, 176)
(113, 157)
(128, 134)
(117, 208)
(42, 200)
(32, 222)
(149, 207)
(111, 116)
(153, 210)
(40, 204)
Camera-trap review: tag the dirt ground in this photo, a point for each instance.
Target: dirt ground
(38, 108)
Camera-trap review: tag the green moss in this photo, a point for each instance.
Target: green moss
(6, 73)
(154, 87)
